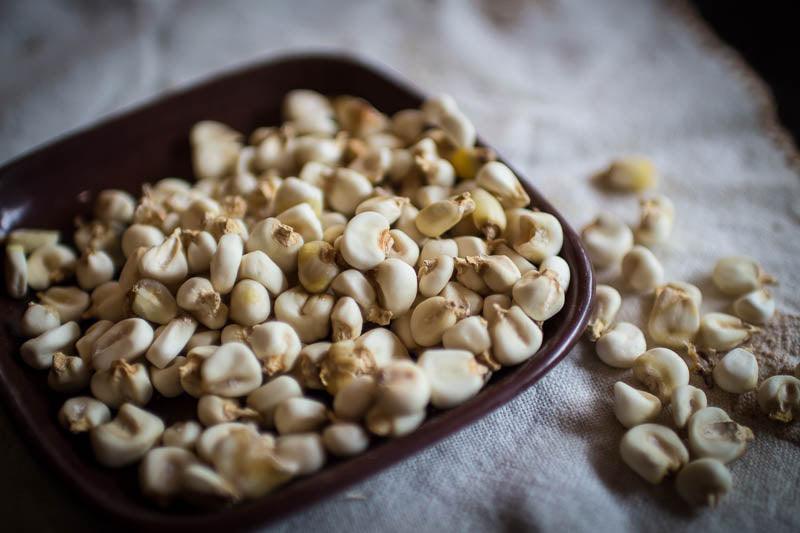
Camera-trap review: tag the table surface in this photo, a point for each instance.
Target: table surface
(560, 88)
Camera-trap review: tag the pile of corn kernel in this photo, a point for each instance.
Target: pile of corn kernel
(711, 343)
(314, 288)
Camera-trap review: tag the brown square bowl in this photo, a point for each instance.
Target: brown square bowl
(48, 187)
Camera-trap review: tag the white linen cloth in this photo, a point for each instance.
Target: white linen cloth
(559, 88)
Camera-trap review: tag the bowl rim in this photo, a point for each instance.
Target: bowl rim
(343, 474)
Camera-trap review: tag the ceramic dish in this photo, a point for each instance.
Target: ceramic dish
(48, 187)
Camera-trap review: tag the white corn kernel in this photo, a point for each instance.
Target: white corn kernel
(259, 267)
(308, 314)
(153, 301)
(94, 268)
(167, 380)
(558, 267)
(70, 302)
(653, 451)
(299, 415)
(376, 160)
(713, 434)
(498, 272)
(198, 296)
(292, 192)
(127, 438)
(488, 217)
(390, 207)
(492, 302)
(126, 340)
(211, 437)
(300, 103)
(403, 247)
(468, 245)
(499, 180)
(225, 263)
(16, 271)
(166, 262)
(704, 482)
(307, 368)
(32, 239)
(49, 264)
(515, 337)
(432, 317)
(38, 352)
(302, 219)
(354, 284)
(171, 341)
(524, 266)
(661, 371)
(209, 337)
(406, 224)
(278, 241)
(388, 425)
(720, 331)
(686, 401)
(539, 294)
(402, 388)
(39, 318)
(250, 303)
(346, 320)
(344, 362)
(737, 372)
(345, 439)
(629, 174)
(655, 222)
(189, 372)
(346, 189)
(675, 317)
(316, 266)
(366, 240)
(738, 275)
(276, 345)
(140, 235)
(607, 239)
(756, 307)
(354, 399)
(434, 274)
(83, 413)
(122, 382)
(200, 250)
(533, 234)
(267, 397)
(440, 216)
(305, 450)
(203, 486)
(161, 473)
(231, 371)
(779, 397)
(249, 462)
(454, 376)
(212, 410)
(68, 373)
(471, 334)
(633, 407)
(620, 345)
(395, 285)
(641, 270)
(182, 434)
(114, 205)
(456, 293)
(435, 247)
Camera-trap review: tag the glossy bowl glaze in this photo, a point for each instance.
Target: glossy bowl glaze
(48, 187)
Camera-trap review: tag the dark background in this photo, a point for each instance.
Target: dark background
(766, 35)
